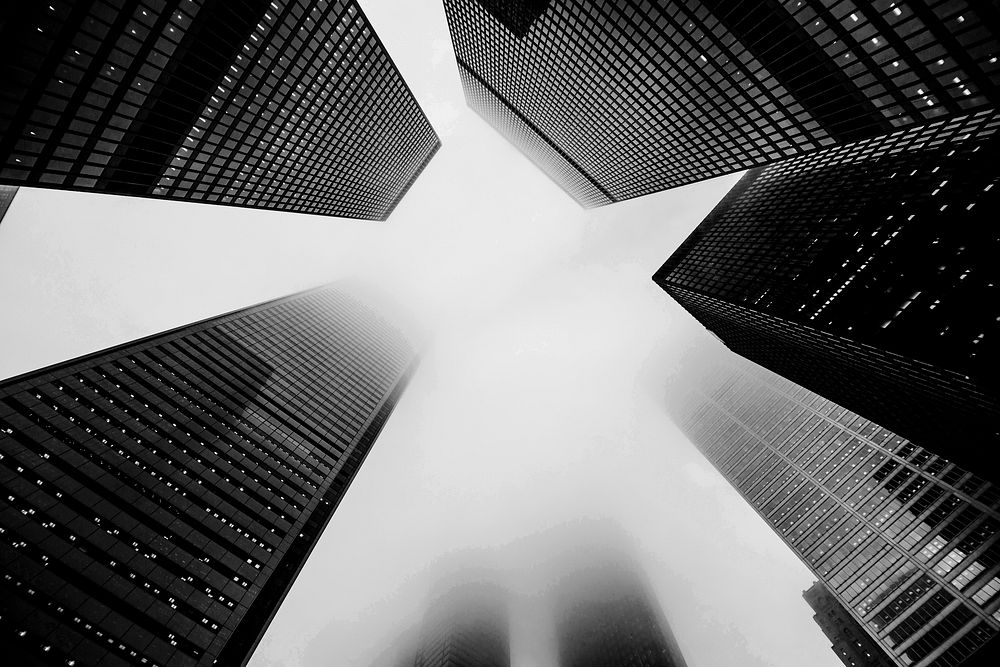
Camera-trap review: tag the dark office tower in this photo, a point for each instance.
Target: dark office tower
(616, 100)
(291, 105)
(7, 193)
(868, 274)
(850, 641)
(467, 626)
(906, 541)
(159, 498)
(605, 616)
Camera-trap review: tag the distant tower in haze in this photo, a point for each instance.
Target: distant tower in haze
(291, 105)
(907, 542)
(468, 625)
(160, 497)
(615, 100)
(606, 616)
(849, 640)
(867, 273)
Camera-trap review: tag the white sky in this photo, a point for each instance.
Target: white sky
(539, 399)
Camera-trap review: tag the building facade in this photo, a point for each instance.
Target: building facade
(906, 541)
(468, 624)
(615, 100)
(849, 640)
(606, 616)
(866, 273)
(292, 105)
(7, 193)
(159, 498)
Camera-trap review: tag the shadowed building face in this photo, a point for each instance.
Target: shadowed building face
(7, 193)
(291, 105)
(605, 616)
(849, 640)
(469, 625)
(616, 100)
(159, 498)
(866, 273)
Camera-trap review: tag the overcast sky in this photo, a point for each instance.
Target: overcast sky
(539, 400)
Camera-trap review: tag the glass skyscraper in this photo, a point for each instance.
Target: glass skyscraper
(867, 273)
(605, 614)
(292, 105)
(159, 498)
(616, 100)
(906, 541)
(467, 624)
(849, 640)
(572, 595)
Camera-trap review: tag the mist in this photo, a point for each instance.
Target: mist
(539, 400)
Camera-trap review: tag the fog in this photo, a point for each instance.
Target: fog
(549, 591)
(539, 400)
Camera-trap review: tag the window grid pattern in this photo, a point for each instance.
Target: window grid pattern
(534, 145)
(605, 614)
(913, 60)
(7, 193)
(158, 499)
(291, 105)
(644, 96)
(849, 641)
(861, 257)
(908, 542)
(469, 624)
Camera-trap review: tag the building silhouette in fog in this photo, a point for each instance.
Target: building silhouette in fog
(606, 616)
(905, 540)
(467, 624)
(849, 640)
(160, 497)
(867, 273)
(618, 100)
(292, 105)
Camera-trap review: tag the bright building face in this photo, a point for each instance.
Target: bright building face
(906, 541)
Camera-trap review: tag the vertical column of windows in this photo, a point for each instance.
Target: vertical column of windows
(117, 461)
(879, 519)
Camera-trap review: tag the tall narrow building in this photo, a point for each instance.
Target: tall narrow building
(867, 273)
(615, 100)
(292, 105)
(159, 498)
(606, 615)
(906, 541)
(849, 640)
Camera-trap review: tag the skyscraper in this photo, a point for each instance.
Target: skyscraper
(467, 624)
(849, 640)
(7, 193)
(616, 100)
(606, 616)
(160, 497)
(291, 105)
(867, 274)
(908, 542)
